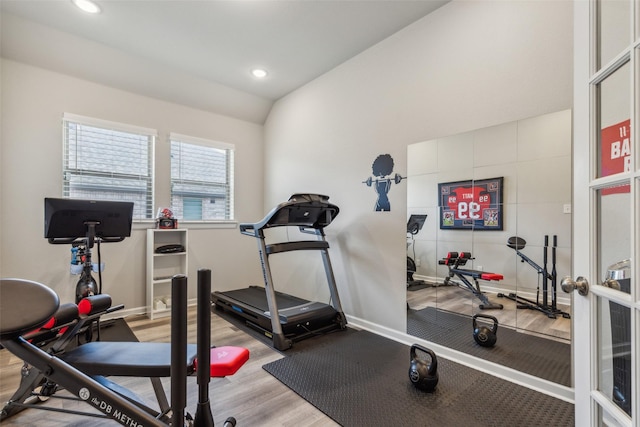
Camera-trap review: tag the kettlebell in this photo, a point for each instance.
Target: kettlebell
(485, 336)
(423, 375)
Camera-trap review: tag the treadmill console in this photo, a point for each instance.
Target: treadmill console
(302, 210)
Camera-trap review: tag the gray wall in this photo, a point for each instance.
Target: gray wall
(469, 65)
(33, 101)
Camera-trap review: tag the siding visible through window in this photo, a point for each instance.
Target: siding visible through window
(192, 208)
(108, 161)
(201, 179)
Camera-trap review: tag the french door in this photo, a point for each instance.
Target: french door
(606, 213)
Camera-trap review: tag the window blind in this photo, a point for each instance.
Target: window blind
(108, 161)
(201, 178)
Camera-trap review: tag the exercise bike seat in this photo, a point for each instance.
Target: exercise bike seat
(24, 306)
(127, 359)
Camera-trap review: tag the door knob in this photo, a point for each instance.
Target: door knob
(581, 284)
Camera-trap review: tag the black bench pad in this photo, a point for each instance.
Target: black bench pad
(126, 359)
(24, 306)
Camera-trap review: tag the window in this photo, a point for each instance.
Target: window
(201, 179)
(108, 161)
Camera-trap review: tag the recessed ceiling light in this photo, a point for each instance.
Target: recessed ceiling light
(87, 5)
(259, 73)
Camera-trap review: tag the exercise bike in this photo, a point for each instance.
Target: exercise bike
(414, 225)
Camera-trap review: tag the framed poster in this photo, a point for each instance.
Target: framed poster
(471, 205)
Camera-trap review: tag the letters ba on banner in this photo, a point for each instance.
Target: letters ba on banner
(615, 154)
(471, 205)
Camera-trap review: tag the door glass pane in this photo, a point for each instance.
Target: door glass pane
(607, 420)
(614, 236)
(614, 113)
(614, 352)
(613, 28)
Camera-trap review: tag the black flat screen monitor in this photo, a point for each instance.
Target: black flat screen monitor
(69, 219)
(415, 223)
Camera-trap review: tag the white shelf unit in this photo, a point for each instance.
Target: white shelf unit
(161, 267)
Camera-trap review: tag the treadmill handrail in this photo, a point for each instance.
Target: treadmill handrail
(297, 246)
(248, 229)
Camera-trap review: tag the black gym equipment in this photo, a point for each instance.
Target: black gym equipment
(484, 335)
(423, 375)
(81, 223)
(548, 277)
(297, 318)
(83, 370)
(414, 225)
(619, 278)
(454, 261)
(60, 333)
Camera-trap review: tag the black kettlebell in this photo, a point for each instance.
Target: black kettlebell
(485, 336)
(423, 375)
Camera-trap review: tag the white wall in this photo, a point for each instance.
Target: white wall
(33, 102)
(468, 65)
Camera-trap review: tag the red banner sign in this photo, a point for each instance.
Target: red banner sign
(615, 152)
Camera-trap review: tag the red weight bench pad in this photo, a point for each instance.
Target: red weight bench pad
(477, 274)
(226, 360)
(126, 359)
(491, 276)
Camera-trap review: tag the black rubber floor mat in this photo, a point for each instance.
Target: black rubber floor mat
(361, 379)
(541, 357)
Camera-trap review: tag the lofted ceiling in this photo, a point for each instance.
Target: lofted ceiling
(200, 53)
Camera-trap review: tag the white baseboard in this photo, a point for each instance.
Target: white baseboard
(137, 311)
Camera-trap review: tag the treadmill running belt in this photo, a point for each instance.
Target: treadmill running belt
(256, 297)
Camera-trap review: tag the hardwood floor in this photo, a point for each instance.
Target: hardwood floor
(252, 396)
(459, 300)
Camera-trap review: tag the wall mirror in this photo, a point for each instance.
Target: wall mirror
(488, 259)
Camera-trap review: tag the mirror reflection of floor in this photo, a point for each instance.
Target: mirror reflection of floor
(458, 300)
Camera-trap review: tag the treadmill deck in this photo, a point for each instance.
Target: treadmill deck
(294, 313)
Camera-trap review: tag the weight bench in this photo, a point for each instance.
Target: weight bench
(454, 261)
(83, 370)
(100, 359)
(61, 331)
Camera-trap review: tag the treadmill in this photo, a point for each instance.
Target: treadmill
(297, 318)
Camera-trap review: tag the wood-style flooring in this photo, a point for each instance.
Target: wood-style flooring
(252, 396)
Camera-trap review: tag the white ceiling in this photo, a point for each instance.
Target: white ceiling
(205, 43)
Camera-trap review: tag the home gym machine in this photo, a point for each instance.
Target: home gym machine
(28, 305)
(454, 261)
(297, 318)
(414, 225)
(548, 277)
